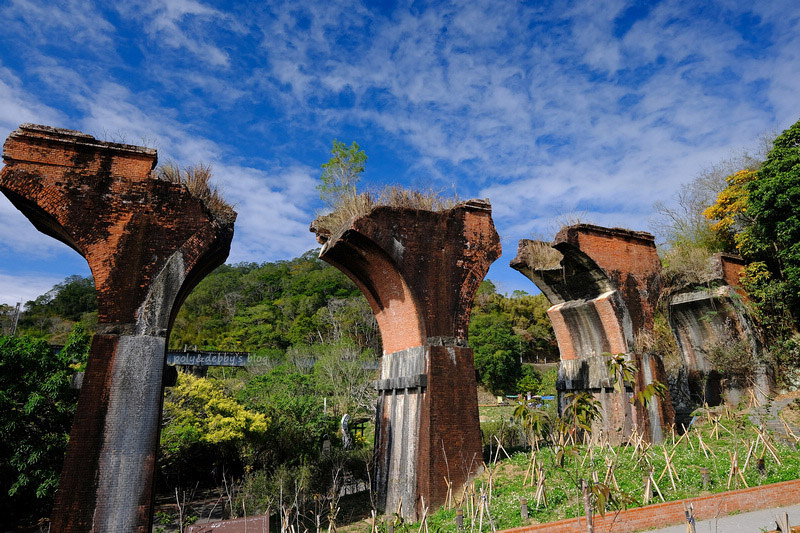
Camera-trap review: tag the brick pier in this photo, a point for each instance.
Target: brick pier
(148, 242)
(420, 270)
(603, 284)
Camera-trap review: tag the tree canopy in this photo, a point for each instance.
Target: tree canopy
(341, 173)
(38, 406)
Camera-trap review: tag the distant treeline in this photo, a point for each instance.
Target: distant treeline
(287, 307)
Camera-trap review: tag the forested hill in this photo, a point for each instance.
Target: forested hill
(273, 306)
(293, 308)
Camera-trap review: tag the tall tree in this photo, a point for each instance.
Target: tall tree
(341, 173)
(774, 207)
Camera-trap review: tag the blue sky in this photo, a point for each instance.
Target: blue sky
(546, 108)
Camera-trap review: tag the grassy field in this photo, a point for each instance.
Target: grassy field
(728, 437)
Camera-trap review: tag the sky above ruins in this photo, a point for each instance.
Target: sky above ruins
(549, 109)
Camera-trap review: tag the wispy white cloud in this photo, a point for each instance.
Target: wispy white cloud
(181, 25)
(596, 107)
(24, 287)
(273, 210)
(76, 21)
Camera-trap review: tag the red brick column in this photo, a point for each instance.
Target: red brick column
(603, 284)
(148, 243)
(420, 270)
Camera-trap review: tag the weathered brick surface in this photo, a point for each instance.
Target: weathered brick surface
(452, 424)
(147, 242)
(603, 292)
(672, 513)
(420, 270)
(629, 260)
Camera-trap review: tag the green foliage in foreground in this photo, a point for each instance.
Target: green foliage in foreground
(37, 406)
(562, 479)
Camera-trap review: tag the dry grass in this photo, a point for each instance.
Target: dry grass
(197, 179)
(539, 255)
(354, 205)
(686, 265)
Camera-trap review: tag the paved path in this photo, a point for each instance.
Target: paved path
(752, 522)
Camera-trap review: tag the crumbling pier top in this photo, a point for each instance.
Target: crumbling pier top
(420, 271)
(148, 242)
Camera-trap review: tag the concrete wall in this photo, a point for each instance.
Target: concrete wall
(148, 243)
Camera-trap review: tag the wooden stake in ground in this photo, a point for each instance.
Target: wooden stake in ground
(658, 490)
(484, 505)
(782, 522)
(424, 522)
(735, 473)
(788, 430)
(675, 444)
(449, 500)
(749, 454)
(689, 512)
(643, 457)
(704, 446)
(531, 469)
(688, 437)
(491, 481)
(610, 473)
(541, 493)
(762, 435)
(500, 447)
(488, 514)
(670, 468)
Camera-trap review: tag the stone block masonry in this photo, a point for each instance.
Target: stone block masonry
(420, 271)
(148, 242)
(603, 285)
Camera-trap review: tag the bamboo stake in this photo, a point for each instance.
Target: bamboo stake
(768, 445)
(735, 473)
(783, 523)
(653, 481)
(480, 523)
(610, 473)
(788, 429)
(449, 499)
(670, 468)
(675, 444)
(531, 469)
(541, 493)
(491, 476)
(500, 447)
(747, 459)
(424, 522)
